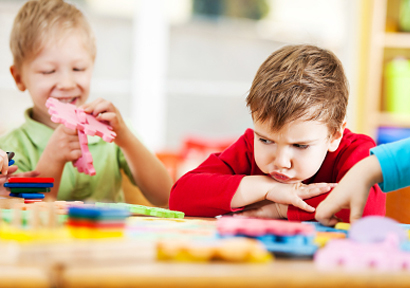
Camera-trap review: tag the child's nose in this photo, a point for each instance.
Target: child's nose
(282, 159)
(66, 81)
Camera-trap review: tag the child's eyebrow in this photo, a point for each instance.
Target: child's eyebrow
(262, 136)
(302, 142)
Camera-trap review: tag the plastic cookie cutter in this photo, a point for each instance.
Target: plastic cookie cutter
(86, 124)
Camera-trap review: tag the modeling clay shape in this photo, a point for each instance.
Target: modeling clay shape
(86, 124)
(259, 227)
(30, 180)
(230, 249)
(356, 256)
(75, 118)
(28, 185)
(144, 210)
(375, 229)
(84, 164)
(63, 113)
(28, 195)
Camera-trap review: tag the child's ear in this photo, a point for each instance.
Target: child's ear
(17, 78)
(335, 140)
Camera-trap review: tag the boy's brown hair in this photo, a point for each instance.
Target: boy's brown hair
(38, 21)
(300, 82)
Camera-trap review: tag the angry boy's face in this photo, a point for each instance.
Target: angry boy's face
(61, 70)
(295, 152)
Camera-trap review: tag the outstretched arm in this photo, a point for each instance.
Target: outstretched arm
(148, 172)
(351, 192)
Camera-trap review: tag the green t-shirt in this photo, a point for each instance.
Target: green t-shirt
(28, 143)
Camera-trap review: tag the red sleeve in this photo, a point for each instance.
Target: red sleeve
(352, 149)
(207, 191)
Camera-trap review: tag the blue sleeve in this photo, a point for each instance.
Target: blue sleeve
(394, 159)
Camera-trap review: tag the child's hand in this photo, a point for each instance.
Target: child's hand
(265, 209)
(351, 192)
(4, 162)
(294, 194)
(63, 146)
(104, 110)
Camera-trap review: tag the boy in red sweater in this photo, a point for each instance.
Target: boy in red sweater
(299, 144)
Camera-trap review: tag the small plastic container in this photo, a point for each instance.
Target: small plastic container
(397, 86)
(404, 16)
(391, 134)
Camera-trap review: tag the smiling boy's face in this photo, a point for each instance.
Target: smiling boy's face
(61, 70)
(295, 152)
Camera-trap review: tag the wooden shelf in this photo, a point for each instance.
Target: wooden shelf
(395, 120)
(397, 40)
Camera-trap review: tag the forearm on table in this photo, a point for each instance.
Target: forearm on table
(252, 189)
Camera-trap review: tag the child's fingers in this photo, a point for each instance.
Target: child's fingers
(4, 163)
(298, 202)
(314, 190)
(356, 212)
(110, 117)
(68, 130)
(89, 107)
(325, 212)
(12, 169)
(28, 174)
(100, 106)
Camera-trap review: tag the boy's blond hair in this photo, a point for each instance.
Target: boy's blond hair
(300, 82)
(38, 21)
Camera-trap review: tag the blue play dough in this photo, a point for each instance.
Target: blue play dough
(373, 229)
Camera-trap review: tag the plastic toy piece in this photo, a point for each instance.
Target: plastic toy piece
(86, 124)
(323, 237)
(10, 155)
(232, 249)
(29, 201)
(342, 226)
(322, 228)
(97, 213)
(30, 180)
(66, 114)
(260, 227)
(29, 190)
(96, 224)
(144, 210)
(28, 185)
(84, 164)
(28, 195)
(375, 229)
(354, 256)
(295, 245)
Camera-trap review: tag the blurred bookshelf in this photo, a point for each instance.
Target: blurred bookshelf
(386, 42)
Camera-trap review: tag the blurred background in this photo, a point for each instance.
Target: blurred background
(179, 70)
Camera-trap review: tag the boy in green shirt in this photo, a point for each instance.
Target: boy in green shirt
(54, 49)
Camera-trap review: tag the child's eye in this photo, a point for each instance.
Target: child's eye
(47, 72)
(78, 69)
(299, 146)
(264, 141)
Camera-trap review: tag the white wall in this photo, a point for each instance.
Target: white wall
(209, 65)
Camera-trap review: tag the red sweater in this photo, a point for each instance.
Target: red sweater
(207, 191)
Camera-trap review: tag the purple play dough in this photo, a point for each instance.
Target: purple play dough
(375, 229)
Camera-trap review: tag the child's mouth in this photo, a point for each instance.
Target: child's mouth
(71, 100)
(279, 177)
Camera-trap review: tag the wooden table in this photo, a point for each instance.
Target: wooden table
(23, 277)
(280, 273)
